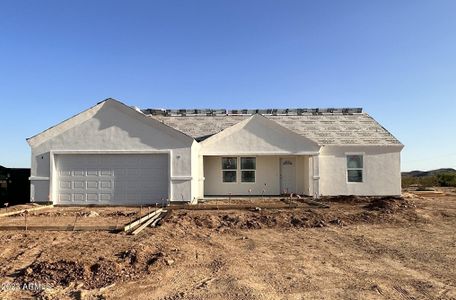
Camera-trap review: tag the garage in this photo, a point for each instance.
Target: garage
(111, 179)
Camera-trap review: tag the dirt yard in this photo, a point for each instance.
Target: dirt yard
(356, 249)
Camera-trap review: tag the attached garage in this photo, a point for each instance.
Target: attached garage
(112, 154)
(111, 179)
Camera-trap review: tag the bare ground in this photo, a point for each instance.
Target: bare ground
(357, 249)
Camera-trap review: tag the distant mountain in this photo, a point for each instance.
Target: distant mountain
(428, 173)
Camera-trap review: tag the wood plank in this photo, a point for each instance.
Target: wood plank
(133, 224)
(158, 219)
(147, 223)
(17, 212)
(312, 202)
(59, 228)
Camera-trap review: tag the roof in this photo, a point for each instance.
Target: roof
(333, 126)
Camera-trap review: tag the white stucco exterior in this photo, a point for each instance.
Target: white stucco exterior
(194, 169)
(111, 127)
(381, 171)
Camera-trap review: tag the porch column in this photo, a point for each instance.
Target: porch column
(316, 175)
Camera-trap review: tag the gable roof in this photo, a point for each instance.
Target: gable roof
(324, 126)
(90, 112)
(257, 134)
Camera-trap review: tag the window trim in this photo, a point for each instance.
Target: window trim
(232, 170)
(363, 180)
(240, 170)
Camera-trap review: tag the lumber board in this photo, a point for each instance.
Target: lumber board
(17, 212)
(147, 223)
(139, 221)
(59, 228)
(313, 202)
(158, 218)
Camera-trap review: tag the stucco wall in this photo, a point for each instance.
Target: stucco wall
(302, 175)
(257, 136)
(267, 172)
(195, 171)
(115, 128)
(381, 174)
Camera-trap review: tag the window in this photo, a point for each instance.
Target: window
(229, 169)
(248, 167)
(355, 168)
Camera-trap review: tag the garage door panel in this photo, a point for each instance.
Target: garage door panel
(65, 197)
(92, 197)
(78, 184)
(78, 197)
(78, 173)
(112, 178)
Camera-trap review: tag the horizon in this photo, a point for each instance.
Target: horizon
(394, 59)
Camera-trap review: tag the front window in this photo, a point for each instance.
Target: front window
(229, 169)
(248, 169)
(355, 168)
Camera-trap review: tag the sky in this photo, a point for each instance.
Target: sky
(396, 59)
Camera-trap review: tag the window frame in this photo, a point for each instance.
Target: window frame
(229, 170)
(238, 170)
(247, 170)
(362, 169)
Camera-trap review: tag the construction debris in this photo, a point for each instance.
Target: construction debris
(312, 202)
(152, 221)
(18, 212)
(141, 220)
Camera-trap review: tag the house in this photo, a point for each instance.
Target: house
(115, 154)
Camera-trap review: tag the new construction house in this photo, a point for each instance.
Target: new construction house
(114, 154)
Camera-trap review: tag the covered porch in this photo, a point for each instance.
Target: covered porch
(258, 157)
(260, 175)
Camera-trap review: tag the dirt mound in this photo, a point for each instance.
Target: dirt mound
(250, 220)
(389, 204)
(122, 214)
(61, 272)
(128, 264)
(345, 199)
(368, 210)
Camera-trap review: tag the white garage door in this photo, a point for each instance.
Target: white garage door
(111, 178)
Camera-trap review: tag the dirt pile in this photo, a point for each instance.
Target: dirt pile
(363, 210)
(389, 204)
(344, 199)
(254, 220)
(126, 265)
(122, 214)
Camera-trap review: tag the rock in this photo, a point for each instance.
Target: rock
(169, 261)
(93, 214)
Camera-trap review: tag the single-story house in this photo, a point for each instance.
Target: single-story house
(114, 154)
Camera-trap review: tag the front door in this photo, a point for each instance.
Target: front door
(288, 175)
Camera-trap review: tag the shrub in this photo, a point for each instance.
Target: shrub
(446, 179)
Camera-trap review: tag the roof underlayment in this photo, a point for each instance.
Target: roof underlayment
(324, 126)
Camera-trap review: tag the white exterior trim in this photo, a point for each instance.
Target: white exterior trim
(38, 178)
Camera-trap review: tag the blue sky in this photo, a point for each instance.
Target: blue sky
(396, 59)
